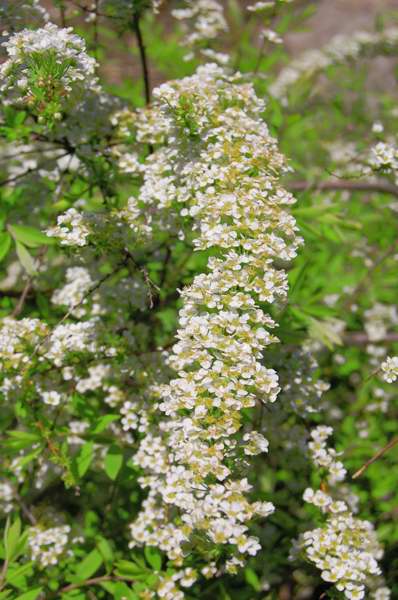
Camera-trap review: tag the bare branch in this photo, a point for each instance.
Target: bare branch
(143, 57)
(378, 454)
(361, 338)
(345, 185)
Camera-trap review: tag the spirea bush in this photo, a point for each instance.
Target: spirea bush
(198, 320)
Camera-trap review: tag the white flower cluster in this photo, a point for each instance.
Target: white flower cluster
(50, 397)
(47, 545)
(73, 293)
(204, 21)
(6, 497)
(71, 228)
(71, 337)
(390, 369)
(221, 167)
(384, 157)
(18, 336)
(52, 59)
(325, 457)
(260, 6)
(301, 387)
(338, 50)
(378, 319)
(345, 549)
(265, 5)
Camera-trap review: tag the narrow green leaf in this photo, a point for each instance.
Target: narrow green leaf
(29, 236)
(126, 568)
(32, 595)
(113, 462)
(103, 423)
(14, 574)
(122, 591)
(153, 557)
(5, 244)
(11, 541)
(89, 566)
(106, 549)
(84, 458)
(252, 579)
(25, 259)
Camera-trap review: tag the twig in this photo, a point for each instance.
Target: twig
(22, 299)
(353, 186)
(94, 11)
(73, 308)
(29, 284)
(378, 454)
(28, 514)
(27, 172)
(93, 581)
(149, 283)
(62, 14)
(356, 292)
(361, 338)
(143, 57)
(3, 573)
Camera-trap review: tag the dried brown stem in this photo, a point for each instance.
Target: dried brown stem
(378, 454)
(345, 185)
(93, 581)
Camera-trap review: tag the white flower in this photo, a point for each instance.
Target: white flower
(390, 369)
(71, 229)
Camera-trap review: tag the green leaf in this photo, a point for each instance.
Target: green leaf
(25, 259)
(106, 549)
(5, 244)
(153, 557)
(126, 568)
(27, 458)
(103, 423)
(89, 566)
(122, 591)
(18, 440)
(113, 462)
(11, 537)
(29, 236)
(85, 458)
(32, 595)
(14, 574)
(252, 579)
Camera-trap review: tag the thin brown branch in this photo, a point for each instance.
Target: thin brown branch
(22, 299)
(3, 573)
(148, 281)
(361, 338)
(93, 581)
(27, 172)
(378, 454)
(62, 13)
(93, 11)
(143, 57)
(26, 511)
(345, 185)
(28, 287)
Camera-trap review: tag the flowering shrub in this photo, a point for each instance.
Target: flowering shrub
(198, 333)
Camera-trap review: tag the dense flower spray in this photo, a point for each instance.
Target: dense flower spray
(220, 169)
(344, 548)
(46, 69)
(98, 391)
